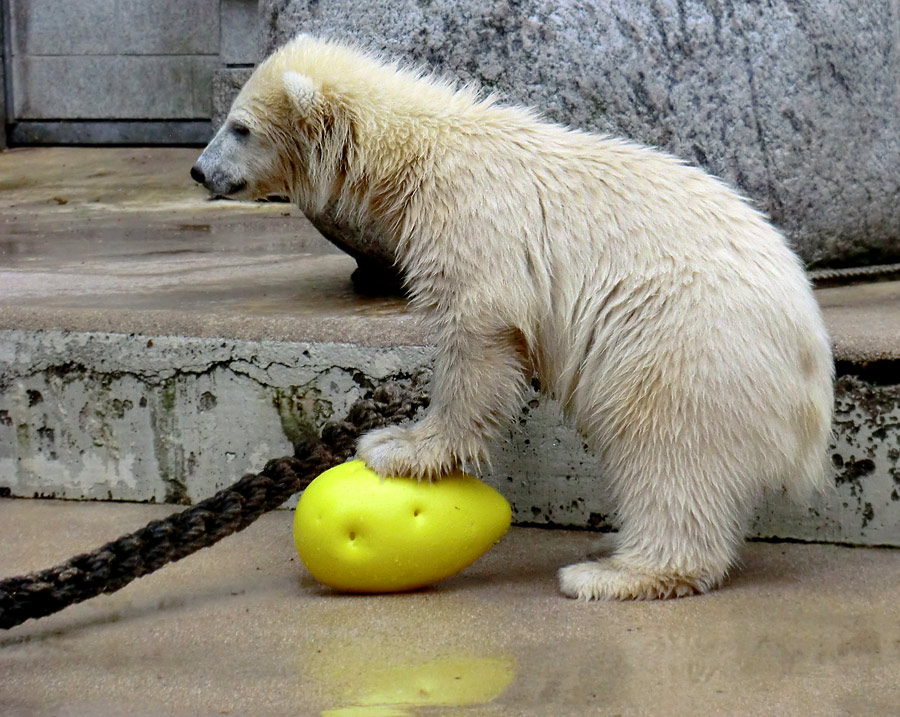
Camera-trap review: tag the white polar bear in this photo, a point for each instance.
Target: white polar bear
(671, 320)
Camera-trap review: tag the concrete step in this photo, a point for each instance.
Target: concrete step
(155, 345)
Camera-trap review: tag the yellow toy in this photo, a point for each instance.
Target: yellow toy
(357, 532)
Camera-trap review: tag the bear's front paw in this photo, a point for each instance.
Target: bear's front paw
(405, 451)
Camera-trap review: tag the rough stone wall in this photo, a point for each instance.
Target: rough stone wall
(226, 85)
(796, 102)
(2, 79)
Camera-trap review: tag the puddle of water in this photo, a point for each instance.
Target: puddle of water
(382, 680)
(368, 711)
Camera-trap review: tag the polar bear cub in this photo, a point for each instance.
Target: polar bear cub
(670, 319)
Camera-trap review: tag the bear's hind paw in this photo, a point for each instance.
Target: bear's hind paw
(610, 579)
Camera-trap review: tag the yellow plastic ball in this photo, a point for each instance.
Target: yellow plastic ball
(357, 532)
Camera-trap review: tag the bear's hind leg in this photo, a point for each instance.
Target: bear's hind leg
(679, 534)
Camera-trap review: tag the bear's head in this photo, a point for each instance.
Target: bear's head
(340, 132)
(287, 134)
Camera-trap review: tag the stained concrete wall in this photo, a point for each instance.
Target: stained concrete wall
(110, 416)
(98, 71)
(92, 415)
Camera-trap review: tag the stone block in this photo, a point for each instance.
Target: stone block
(92, 415)
(113, 87)
(795, 103)
(226, 84)
(109, 27)
(240, 32)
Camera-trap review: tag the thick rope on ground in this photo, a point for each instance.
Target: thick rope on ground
(823, 278)
(232, 509)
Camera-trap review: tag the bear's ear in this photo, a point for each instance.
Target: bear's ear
(300, 91)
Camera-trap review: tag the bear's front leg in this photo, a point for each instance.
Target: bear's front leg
(478, 382)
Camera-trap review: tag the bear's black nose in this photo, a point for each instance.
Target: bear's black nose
(197, 174)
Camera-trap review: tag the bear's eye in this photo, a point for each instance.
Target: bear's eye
(241, 130)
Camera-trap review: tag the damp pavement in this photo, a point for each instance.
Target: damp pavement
(242, 628)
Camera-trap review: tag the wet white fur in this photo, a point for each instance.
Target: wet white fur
(668, 316)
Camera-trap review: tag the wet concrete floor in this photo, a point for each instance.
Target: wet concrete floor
(121, 239)
(242, 628)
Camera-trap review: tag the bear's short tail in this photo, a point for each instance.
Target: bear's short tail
(811, 471)
(810, 477)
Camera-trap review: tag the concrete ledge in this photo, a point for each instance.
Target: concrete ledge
(864, 322)
(164, 418)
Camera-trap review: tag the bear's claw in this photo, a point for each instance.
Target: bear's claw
(403, 451)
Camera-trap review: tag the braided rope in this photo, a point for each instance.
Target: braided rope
(232, 509)
(852, 274)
